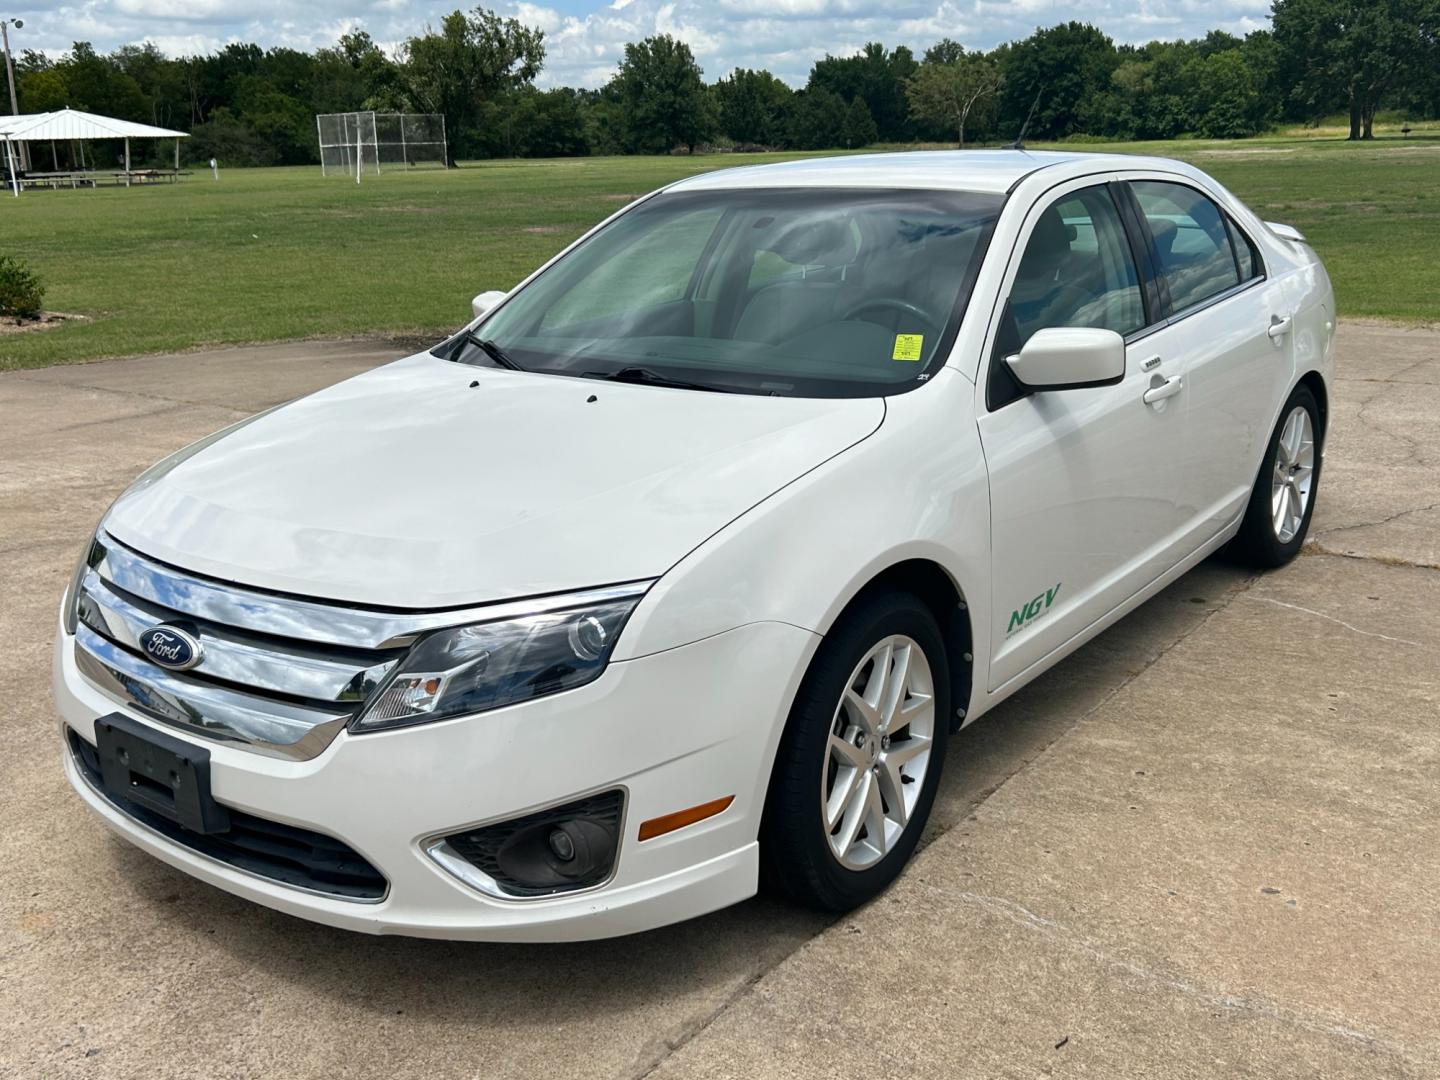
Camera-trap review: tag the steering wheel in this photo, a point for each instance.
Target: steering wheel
(894, 303)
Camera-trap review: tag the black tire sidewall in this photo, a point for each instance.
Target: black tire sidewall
(794, 846)
(1257, 540)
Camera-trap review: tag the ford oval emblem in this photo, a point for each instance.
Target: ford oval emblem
(171, 647)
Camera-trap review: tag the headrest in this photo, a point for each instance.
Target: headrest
(807, 243)
(1051, 236)
(1164, 233)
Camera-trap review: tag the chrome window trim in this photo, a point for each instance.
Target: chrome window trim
(274, 728)
(313, 621)
(1211, 301)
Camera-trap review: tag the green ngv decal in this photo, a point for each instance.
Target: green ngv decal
(1024, 616)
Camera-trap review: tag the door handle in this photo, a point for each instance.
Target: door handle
(1169, 388)
(1279, 327)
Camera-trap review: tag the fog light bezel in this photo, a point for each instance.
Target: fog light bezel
(447, 858)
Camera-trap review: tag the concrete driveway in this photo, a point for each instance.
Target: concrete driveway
(1208, 844)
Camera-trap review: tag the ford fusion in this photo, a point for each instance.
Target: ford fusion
(674, 570)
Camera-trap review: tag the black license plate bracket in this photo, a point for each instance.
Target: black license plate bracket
(158, 772)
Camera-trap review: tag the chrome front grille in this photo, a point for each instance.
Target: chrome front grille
(278, 674)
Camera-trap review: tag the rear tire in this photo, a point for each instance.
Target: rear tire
(1283, 499)
(859, 763)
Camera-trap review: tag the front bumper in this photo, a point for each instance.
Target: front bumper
(672, 730)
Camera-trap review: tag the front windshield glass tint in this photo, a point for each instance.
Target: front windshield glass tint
(769, 291)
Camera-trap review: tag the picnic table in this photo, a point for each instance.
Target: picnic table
(56, 179)
(90, 178)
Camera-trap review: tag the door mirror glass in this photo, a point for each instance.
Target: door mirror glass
(485, 302)
(1063, 358)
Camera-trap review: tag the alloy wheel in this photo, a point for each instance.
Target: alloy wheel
(1294, 472)
(878, 752)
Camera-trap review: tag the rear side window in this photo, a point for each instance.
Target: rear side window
(1246, 257)
(1192, 242)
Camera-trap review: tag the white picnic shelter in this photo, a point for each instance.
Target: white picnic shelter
(72, 125)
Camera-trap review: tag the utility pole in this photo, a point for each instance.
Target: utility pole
(5, 25)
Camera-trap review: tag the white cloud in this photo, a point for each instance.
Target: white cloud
(185, 44)
(185, 10)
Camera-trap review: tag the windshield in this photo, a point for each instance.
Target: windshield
(817, 293)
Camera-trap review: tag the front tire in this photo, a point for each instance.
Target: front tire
(1283, 500)
(859, 763)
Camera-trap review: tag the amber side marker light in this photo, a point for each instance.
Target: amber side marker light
(670, 822)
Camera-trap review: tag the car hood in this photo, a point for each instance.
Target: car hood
(427, 484)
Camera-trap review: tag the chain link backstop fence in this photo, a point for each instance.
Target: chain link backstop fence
(355, 143)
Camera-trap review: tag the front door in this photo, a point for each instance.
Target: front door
(1084, 482)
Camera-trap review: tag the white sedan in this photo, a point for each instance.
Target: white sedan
(674, 570)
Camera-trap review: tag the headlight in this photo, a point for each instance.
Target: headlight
(468, 669)
(70, 606)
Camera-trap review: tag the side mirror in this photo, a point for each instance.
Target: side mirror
(485, 302)
(1069, 357)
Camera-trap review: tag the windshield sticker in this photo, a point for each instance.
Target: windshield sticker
(908, 346)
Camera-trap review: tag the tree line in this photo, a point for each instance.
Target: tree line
(251, 106)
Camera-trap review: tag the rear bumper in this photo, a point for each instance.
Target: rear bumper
(672, 730)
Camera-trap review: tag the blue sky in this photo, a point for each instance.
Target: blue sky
(584, 38)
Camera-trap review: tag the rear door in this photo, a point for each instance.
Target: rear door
(1083, 482)
(1227, 335)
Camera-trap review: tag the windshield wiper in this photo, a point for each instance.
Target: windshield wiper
(497, 355)
(647, 377)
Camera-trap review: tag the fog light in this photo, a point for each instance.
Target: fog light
(562, 845)
(553, 851)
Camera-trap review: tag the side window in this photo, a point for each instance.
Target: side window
(1077, 270)
(1192, 241)
(656, 268)
(1246, 257)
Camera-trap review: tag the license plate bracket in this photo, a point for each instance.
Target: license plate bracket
(158, 772)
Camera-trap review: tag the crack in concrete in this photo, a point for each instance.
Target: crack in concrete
(21, 376)
(1391, 381)
(1415, 454)
(1393, 377)
(671, 1046)
(1055, 931)
(164, 407)
(1315, 547)
(1338, 622)
(1383, 521)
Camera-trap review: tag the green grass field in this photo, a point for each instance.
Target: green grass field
(275, 254)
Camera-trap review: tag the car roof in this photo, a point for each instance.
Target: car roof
(945, 170)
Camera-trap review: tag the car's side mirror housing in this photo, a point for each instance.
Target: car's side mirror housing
(485, 302)
(1069, 357)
